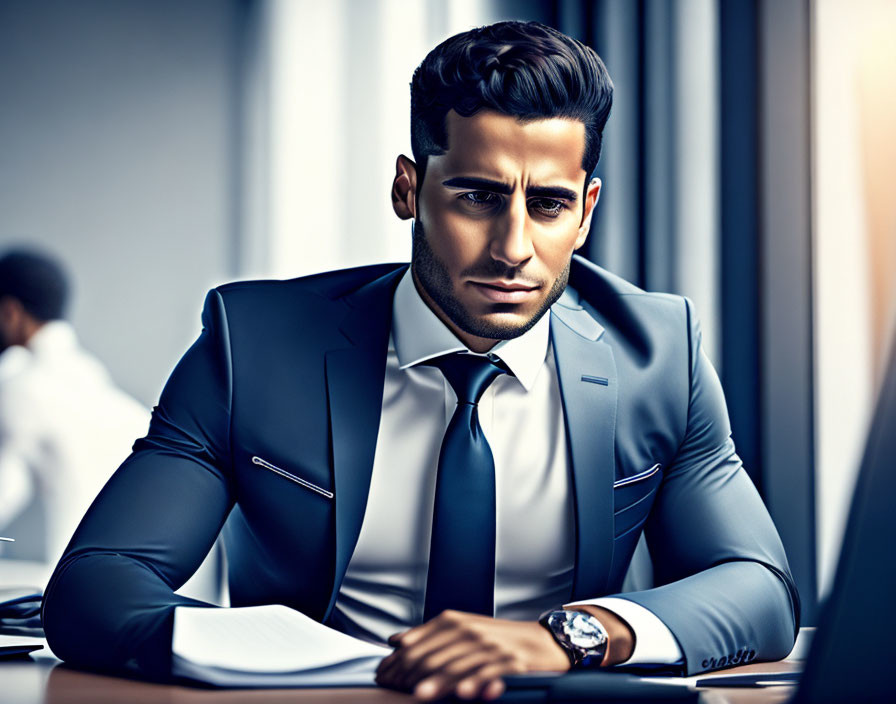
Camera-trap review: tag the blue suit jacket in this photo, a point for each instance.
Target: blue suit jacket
(292, 372)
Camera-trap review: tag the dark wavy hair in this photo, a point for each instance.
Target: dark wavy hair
(524, 69)
(37, 280)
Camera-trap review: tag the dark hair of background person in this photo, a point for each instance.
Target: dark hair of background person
(37, 281)
(524, 69)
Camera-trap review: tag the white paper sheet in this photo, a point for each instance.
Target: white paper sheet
(269, 645)
(10, 643)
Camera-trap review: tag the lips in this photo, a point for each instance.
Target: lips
(505, 291)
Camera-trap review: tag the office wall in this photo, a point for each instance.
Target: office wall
(116, 131)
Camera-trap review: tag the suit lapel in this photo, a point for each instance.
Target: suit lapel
(355, 377)
(588, 387)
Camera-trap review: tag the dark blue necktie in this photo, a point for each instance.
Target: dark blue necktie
(462, 550)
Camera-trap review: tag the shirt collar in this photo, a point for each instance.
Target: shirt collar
(418, 335)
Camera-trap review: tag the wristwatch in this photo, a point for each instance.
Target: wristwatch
(581, 635)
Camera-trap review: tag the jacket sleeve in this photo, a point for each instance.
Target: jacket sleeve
(725, 591)
(110, 601)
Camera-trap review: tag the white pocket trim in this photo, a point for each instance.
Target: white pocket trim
(640, 476)
(292, 477)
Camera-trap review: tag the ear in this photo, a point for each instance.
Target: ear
(591, 197)
(404, 188)
(10, 310)
(12, 320)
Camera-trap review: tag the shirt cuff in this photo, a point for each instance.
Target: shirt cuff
(654, 642)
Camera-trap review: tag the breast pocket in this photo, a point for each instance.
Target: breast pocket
(633, 498)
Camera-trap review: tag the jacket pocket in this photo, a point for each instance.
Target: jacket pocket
(630, 492)
(633, 498)
(639, 477)
(292, 477)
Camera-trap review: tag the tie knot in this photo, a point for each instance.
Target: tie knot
(468, 374)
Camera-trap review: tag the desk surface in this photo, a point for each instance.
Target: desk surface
(47, 681)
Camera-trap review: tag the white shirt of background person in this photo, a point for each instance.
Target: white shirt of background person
(64, 429)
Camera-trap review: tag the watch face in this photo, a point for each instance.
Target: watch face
(584, 631)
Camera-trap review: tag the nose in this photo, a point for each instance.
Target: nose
(511, 240)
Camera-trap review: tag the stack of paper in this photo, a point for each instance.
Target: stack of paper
(268, 646)
(15, 646)
(20, 612)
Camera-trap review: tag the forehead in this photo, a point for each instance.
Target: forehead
(493, 145)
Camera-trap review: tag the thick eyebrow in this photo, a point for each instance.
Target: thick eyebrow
(558, 192)
(487, 184)
(479, 184)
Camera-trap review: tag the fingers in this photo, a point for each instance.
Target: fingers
(445, 662)
(414, 645)
(446, 620)
(464, 654)
(403, 668)
(475, 675)
(395, 638)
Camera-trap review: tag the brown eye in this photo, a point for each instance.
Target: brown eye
(479, 199)
(547, 206)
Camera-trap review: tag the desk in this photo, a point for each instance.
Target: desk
(47, 681)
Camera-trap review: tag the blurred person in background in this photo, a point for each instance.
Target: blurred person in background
(64, 426)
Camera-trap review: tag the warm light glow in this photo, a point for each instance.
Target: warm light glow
(855, 242)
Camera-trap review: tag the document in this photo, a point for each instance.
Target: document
(268, 646)
(20, 611)
(16, 646)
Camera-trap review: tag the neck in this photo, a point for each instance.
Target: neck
(29, 329)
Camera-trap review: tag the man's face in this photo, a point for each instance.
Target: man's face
(498, 218)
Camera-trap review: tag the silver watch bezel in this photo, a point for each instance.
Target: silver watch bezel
(564, 625)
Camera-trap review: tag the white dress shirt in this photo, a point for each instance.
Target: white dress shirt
(64, 429)
(522, 419)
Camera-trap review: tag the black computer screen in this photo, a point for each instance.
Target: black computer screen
(851, 658)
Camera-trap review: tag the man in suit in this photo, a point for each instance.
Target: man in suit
(311, 415)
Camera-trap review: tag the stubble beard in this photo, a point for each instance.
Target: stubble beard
(433, 276)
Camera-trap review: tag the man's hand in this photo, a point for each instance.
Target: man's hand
(467, 654)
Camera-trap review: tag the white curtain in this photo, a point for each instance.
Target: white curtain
(328, 93)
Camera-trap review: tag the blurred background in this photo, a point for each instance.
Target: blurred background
(161, 147)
